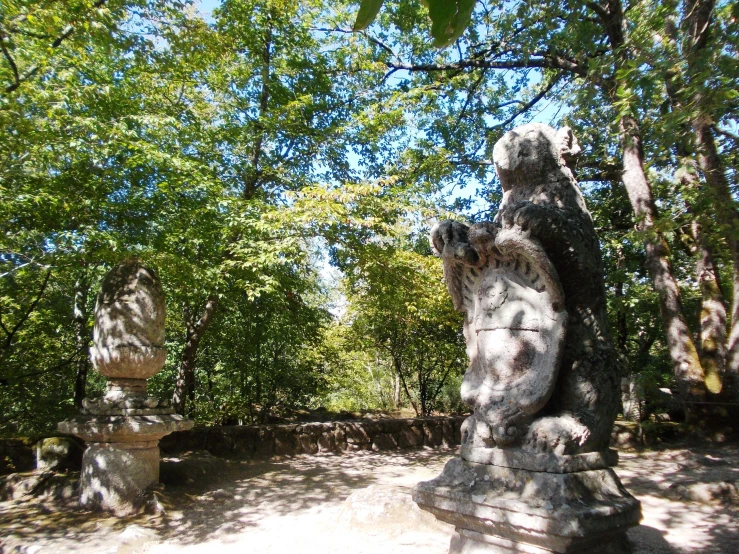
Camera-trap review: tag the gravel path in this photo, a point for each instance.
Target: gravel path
(360, 503)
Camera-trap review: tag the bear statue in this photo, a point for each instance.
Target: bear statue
(543, 375)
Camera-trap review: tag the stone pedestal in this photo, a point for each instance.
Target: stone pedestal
(580, 507)
(122, 456)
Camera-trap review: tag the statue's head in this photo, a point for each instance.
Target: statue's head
(533, 153)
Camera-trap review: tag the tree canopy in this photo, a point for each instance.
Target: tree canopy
(243, 154)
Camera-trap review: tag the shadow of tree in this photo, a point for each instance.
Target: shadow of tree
(229, 498)
(689, 498)
(212, 502)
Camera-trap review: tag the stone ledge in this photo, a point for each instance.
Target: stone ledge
(517, 458)
(119, 428)
(243, 442)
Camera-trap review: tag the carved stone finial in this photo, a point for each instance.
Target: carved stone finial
(128, 338)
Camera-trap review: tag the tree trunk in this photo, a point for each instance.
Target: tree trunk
(727, 216)
(185, 385)
(186, 375)
(396, 390)
(712, 314)
(253, 174)
(82, 337)
(698, 21)
(622, 330)
(712, 320)
(397, 363)
(686, 364)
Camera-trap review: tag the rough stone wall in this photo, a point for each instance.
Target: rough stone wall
(311, 438)
(241, 441)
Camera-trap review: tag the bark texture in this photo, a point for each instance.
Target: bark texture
(684, 355)
(185, 385)
(82, 337)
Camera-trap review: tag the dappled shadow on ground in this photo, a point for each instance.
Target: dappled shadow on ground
(214, 503)
(256, 491)
(229, 497)
(688, 497)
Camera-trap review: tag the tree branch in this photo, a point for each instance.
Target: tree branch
(32, 307)
(550, 61)
(531, 103)
(64, 35)
(8, 57)
(468, 100)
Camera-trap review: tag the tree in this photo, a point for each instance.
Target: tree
(605, 67)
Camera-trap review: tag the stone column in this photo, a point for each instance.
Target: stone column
(535, 473)
(122, 429)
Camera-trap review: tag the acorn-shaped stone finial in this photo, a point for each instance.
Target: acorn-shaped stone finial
(129, 326)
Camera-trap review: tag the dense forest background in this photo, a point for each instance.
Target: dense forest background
(281, 172)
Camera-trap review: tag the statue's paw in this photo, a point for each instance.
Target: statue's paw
(506, 425)
(524, 215)
(477, 433)
(450, 240)
(559, 435)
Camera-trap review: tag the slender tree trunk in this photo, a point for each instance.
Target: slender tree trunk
(251, 182)
(686, 363)
(622, 331)
(727, 216)
(398, 367)
(254, 173)
(712, 314)
(698, 21)
(396, 390)
(185, 385)
(82, 336)
(712, 319)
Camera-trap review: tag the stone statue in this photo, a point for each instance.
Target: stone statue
(543, 372)
(122, 429)
(543, 381)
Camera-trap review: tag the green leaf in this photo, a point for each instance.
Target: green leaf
(441, 13)
(449, 19)
(462, 20)
(368, 11)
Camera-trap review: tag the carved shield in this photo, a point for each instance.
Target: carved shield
(519, 326)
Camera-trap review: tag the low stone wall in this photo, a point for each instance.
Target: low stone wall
(237, 441)
(312, 438)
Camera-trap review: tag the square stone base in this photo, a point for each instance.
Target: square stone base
(115, 476)
(501, 510)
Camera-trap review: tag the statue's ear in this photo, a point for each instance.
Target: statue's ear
(568, 146)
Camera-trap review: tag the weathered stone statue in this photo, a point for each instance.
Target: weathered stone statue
(122, 429)
(543, 378)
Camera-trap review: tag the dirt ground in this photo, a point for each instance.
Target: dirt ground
(360, 503)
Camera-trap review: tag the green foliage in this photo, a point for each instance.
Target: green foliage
(448, 19)
(224, 153)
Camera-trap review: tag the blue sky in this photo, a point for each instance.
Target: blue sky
(207, 6)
